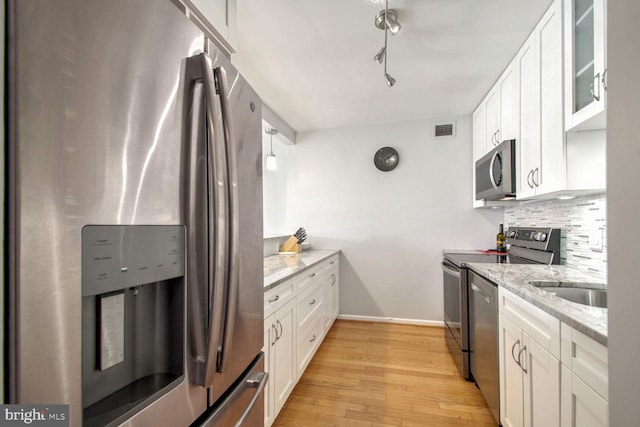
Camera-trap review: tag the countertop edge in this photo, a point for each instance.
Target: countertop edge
(582, 318)
(286, 272)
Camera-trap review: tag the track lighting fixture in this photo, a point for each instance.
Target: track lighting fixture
(386, 20)
(271, 157)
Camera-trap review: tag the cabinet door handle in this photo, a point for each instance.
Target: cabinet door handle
(530, 179)
(595, 83)
(313, 339)
(604, 79)
(275, 336)
(280, 325)
(312, 275)
(333, 279)
(332, 262)
(517, 343)
(277, 297)
(312, 302)
(523, 350)
(534, 177)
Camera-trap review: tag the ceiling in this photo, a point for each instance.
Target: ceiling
(311, 61)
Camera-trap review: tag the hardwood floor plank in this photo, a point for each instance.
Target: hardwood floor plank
(368, 374)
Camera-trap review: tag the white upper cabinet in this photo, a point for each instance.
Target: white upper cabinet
(509, 112)
(542, 160)
(501, 110)
(219, 19)
(585, 56)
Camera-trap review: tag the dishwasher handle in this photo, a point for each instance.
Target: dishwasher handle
(485, 297)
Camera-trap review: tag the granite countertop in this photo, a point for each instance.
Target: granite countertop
(278, 268)
(520, 279)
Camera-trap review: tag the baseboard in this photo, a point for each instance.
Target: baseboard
(391, 320)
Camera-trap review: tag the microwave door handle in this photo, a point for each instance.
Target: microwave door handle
(493, 162)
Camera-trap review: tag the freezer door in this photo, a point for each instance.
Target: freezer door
(95, 130)
(243, 405)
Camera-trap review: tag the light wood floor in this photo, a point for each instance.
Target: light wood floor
(380, 374)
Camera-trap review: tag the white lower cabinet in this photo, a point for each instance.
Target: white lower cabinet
(331, 295)
(299, 312)
(530, 377)
(585, 385)
(581, 405)
(529, 370)
(280, 347)
(551, 375)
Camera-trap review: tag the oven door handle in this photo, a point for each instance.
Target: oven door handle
(451, 271)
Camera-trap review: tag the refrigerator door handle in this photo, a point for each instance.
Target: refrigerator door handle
(232, 291)
(218, 232)
(197, 247)
(252, 379)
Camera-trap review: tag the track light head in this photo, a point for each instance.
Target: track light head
(390, 80)
(380, 55)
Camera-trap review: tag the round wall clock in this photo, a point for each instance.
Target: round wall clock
(386, 159)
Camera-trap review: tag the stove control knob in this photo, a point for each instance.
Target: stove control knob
(536, 236)
(543, 237)
(512, 234)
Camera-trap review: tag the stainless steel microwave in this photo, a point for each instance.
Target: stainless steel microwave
(496, 173)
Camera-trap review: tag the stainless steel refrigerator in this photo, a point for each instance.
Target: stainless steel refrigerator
(134, 206)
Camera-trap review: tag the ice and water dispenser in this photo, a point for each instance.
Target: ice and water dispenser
(133, 318)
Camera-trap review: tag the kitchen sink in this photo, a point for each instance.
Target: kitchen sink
(590, 297)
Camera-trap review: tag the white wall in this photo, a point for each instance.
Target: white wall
(274, 185)
(623, 158)
(390, 226)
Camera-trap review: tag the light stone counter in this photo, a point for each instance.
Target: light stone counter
(278, 268)
(520, 279)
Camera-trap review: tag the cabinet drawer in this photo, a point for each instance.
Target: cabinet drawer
(309, 305)
(308, 342)
(308, 278)
(331, 265)
(277, 297)
(538, 324)
(587, 359)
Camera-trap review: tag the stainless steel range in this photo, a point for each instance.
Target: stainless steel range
(469, 311)
(471, 304)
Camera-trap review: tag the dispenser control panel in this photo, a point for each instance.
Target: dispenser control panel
(117, 257)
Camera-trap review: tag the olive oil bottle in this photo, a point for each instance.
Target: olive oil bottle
(501, 240)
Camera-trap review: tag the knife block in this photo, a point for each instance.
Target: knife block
(291, 245)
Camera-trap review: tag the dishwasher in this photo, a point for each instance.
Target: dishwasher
(483, 339)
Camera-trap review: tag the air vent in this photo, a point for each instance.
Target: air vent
(444, 130)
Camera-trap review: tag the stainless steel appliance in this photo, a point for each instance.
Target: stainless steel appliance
(470, 311)
(496, 173)
(135, 275)
(483, 339)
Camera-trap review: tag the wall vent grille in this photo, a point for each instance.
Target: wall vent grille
(444, 130)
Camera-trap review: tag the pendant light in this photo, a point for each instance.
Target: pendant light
(271, 157)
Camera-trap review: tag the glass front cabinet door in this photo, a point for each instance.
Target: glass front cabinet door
(585, 62)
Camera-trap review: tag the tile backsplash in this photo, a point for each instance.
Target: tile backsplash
(583, 221)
